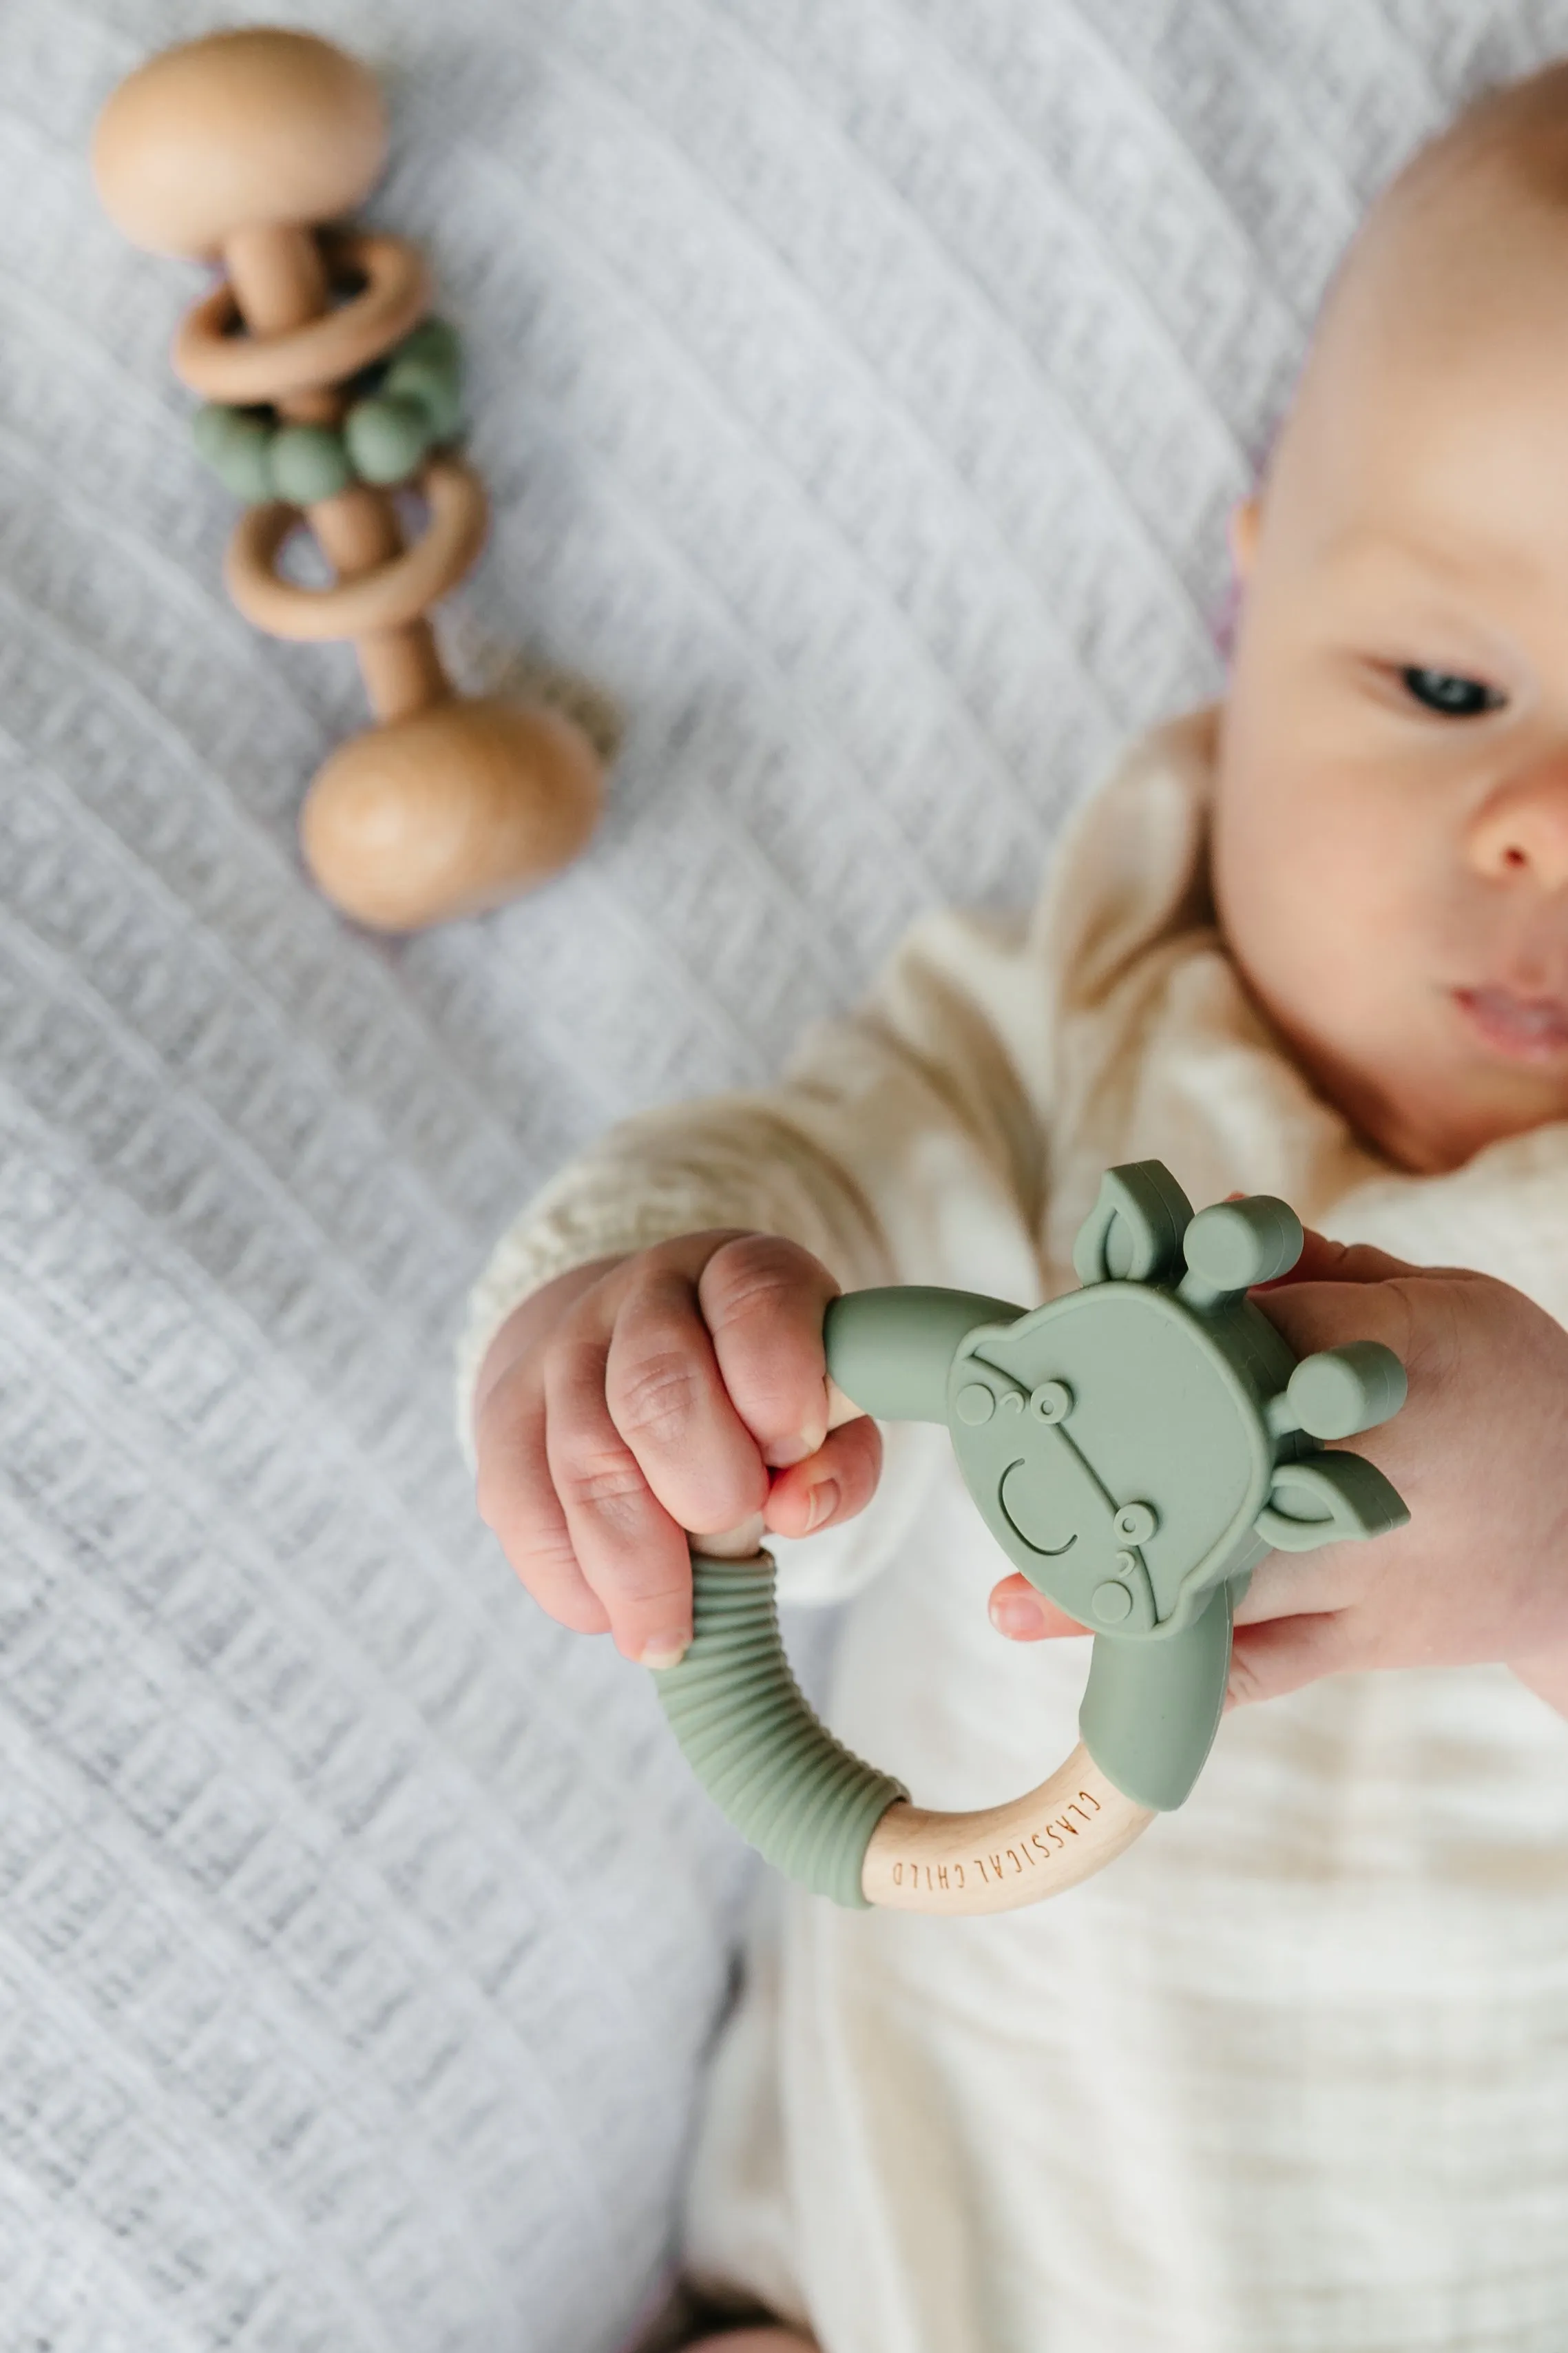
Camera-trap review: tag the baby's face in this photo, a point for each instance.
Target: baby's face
(1390, 818)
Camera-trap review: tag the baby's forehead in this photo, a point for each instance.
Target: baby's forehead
(1433, 403)
(1471, 236)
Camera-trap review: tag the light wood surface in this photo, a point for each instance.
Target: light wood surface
(358, 533)
(281, 287)
(254, 127)
(450, 811)
(1004, 1857)
(288, 348)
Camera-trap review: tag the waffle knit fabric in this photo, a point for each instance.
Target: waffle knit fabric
(860, 386)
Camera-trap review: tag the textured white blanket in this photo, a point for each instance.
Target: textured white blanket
(861, 387)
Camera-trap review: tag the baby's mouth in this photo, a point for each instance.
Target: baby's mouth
(1528, 1028)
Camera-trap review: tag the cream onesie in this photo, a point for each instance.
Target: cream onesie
(1293, 2076)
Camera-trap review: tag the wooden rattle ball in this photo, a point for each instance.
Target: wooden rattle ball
(257, 128)
(449, 812)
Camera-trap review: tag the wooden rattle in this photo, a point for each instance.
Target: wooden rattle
(1136, 1447)
(327, 386)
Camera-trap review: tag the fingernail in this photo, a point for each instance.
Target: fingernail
(664, 1650)
(824, 1504)
(798, 1448)
(1016, 1613)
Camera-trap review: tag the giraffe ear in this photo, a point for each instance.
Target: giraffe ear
(1326, 1500)
(1133, 1233)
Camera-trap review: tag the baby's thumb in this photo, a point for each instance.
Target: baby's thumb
(1322, 1261)
(1282, 1654)
(1025, 1616)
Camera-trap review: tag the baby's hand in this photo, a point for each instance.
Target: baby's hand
(683, 1388)
(1480, 1572)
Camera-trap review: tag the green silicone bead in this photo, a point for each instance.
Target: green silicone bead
(427, 370)
(386, 440)
(307, 462)
(434, 390)
(432, 339)
(234, 443)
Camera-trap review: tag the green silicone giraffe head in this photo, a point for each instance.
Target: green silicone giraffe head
(1138, 1442)
(1137, 1445)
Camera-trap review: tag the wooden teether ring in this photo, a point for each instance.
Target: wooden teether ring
(822, 1814)
(384, 598)
(210, 358)
(1136, 1447)
(1003, 1857)
(242, 147)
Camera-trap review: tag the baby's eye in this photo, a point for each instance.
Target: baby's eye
(1455, 698)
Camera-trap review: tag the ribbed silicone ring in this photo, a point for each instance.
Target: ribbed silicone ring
(803, 1800)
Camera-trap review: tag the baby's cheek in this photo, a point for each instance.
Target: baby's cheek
(1271, 874)
(1313, 882)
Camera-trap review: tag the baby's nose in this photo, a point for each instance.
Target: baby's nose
(1521, 829)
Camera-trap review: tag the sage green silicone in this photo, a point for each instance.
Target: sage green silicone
(891, 1351)
(1135, 1447)
(410, 404)
(1153, 1708)
(799, 1796)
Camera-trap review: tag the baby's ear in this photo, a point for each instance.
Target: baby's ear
(1245, 519)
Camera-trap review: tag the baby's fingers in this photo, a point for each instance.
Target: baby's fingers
(832, 1485)
(763, 1300)
(1025, 1616)
(630, 1551)
(1322, 1261)
(1266, 1660)
(1286, 1653)
(668, 1394)
(517, 1500)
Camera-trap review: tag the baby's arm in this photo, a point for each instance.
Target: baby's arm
(641, 1355)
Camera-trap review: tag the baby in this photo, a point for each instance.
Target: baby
(1294, 2072)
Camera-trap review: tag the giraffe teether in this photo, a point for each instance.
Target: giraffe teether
(1136, 1447)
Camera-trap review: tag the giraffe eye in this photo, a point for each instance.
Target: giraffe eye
(1454, 698)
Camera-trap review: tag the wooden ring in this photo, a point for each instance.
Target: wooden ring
(1004, 1857)
(384, 598)
(245, 369)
